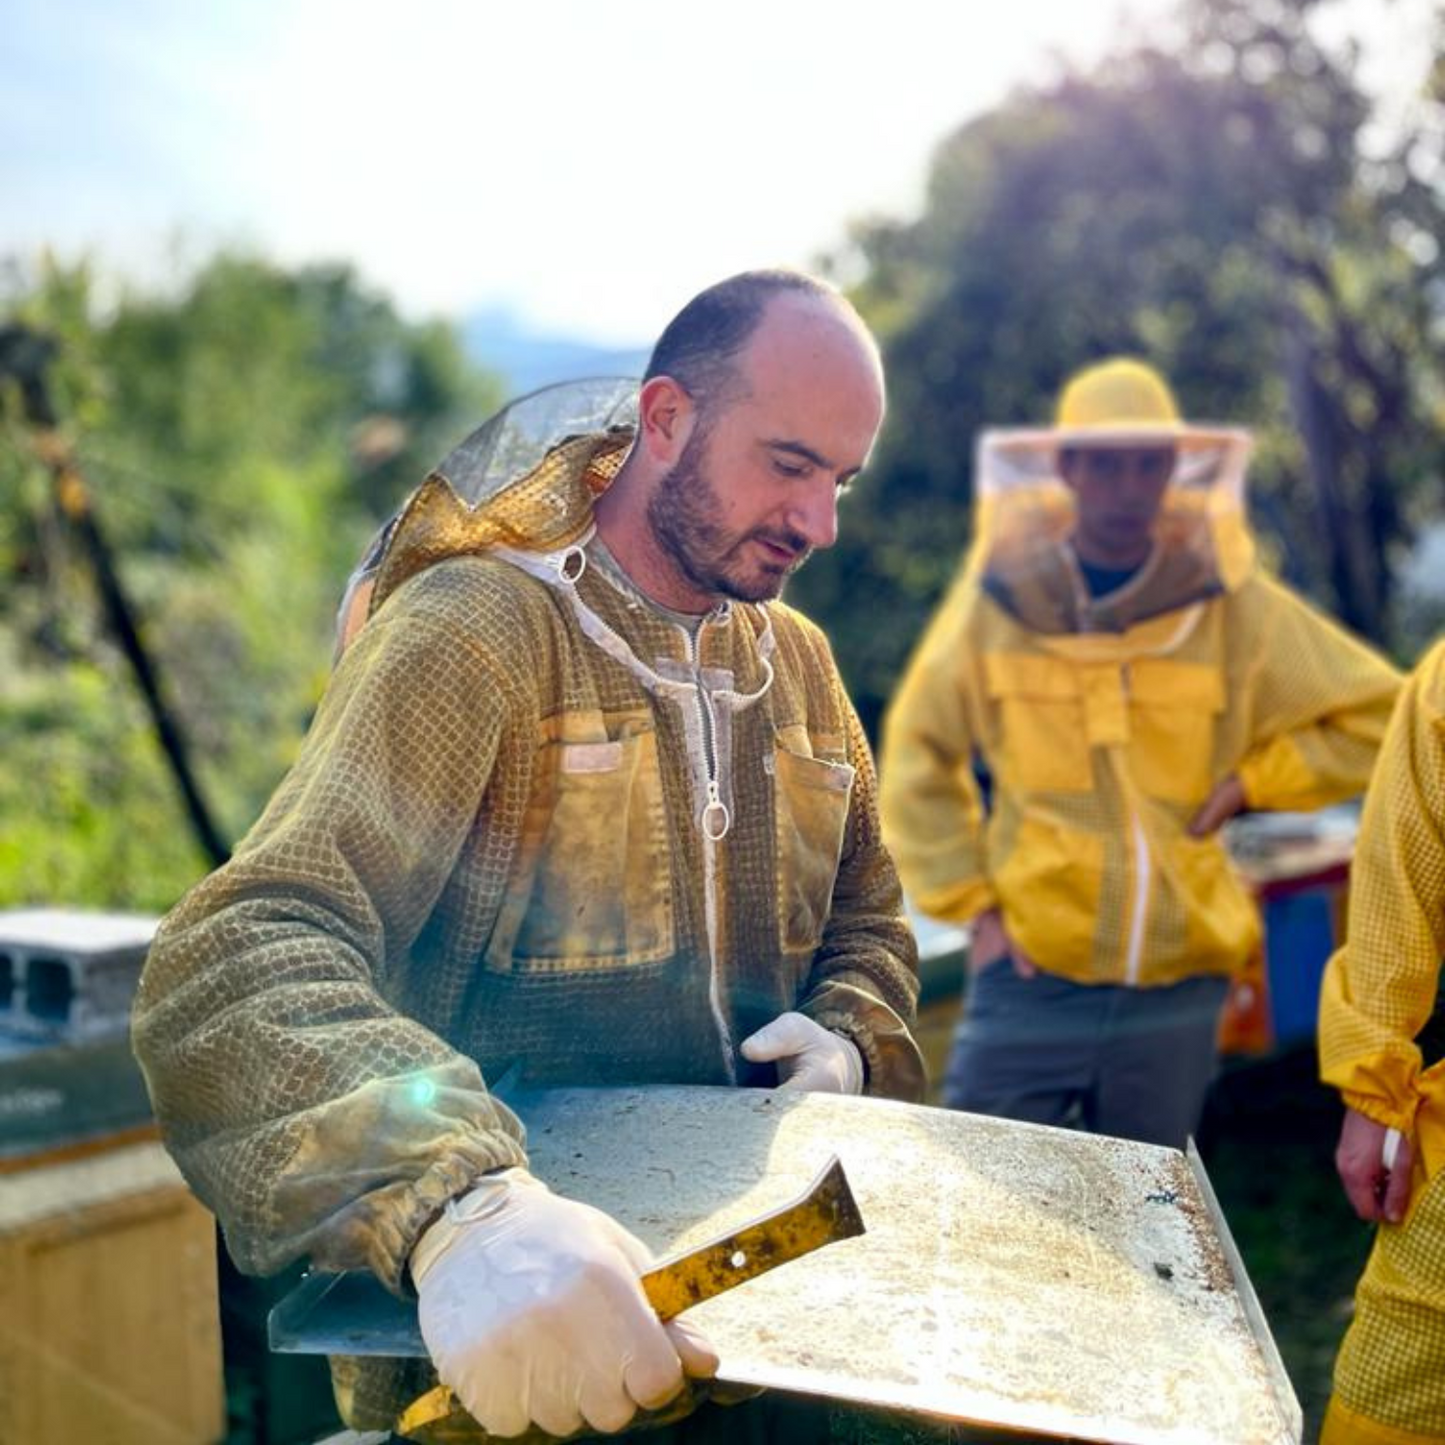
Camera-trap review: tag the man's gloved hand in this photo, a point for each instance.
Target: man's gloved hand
(532, 1313)
(808, 1056)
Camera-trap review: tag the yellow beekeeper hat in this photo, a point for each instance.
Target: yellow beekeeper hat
(1114, 401)
(1117, 402)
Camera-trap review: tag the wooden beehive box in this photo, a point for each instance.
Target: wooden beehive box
(109, 1321)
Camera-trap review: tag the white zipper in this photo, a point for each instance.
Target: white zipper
(563, 569)
(715, 820)
(1143, 870)
(1138, 839)
(713, 824)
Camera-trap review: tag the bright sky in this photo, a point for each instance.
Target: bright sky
(587, 163)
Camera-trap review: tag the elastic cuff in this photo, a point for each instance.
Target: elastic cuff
(483, 1198)
(396, 1236)
(960, 905)
(1249, 784)
(1383, 1111)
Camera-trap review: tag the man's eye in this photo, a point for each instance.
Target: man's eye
(789, 469)
(845, 484)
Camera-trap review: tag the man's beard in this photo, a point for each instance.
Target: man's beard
(683, 513)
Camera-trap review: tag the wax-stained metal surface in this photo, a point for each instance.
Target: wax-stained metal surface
(1050, 1282)
(1045, 1280)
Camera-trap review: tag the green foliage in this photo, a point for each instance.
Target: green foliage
(1222, 207)
(240, 441)
(90, 814)
(1215, 210)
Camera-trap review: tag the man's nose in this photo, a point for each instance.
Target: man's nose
(815, 514)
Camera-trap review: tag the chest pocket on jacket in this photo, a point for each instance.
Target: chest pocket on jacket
(1173, 707)
(1043, 738)
(595, 890)
(811, 812)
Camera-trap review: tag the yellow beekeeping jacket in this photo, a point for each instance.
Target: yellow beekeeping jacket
(1103, 725)
(535, 823)
(1381, 987)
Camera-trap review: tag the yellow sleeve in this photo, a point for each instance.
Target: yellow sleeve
(933, 815)
(1380, 988)
(1319, 699)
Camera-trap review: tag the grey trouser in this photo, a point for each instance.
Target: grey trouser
(1132, 1062)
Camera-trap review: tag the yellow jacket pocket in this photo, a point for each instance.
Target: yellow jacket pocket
(1222, 923)
(598, 886)
(811, 811)
(1043, 740)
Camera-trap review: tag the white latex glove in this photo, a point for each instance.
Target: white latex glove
(531, 1310)
(808, 1056)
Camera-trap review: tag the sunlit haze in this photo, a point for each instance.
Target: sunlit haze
(585, 165)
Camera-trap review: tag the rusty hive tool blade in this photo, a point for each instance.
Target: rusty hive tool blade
(825, 1213)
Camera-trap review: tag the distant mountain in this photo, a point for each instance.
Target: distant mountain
(496, 339)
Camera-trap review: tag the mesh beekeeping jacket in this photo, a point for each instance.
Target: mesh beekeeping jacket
(1379, 1041)
(488, 854)
(1380, 1008)
(1025, 515)
(1391, 1364)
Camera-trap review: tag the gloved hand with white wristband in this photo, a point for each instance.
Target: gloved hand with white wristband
(532, 1312)
(807, 1055)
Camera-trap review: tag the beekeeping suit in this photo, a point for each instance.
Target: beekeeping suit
(1106, 710)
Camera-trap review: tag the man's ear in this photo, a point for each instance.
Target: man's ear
(666, 415)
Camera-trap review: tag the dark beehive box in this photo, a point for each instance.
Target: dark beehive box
(67, 1075)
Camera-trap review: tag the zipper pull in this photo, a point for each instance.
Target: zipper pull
(715, 820)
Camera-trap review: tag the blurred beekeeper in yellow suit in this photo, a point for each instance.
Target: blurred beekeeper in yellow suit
(1116, 666)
